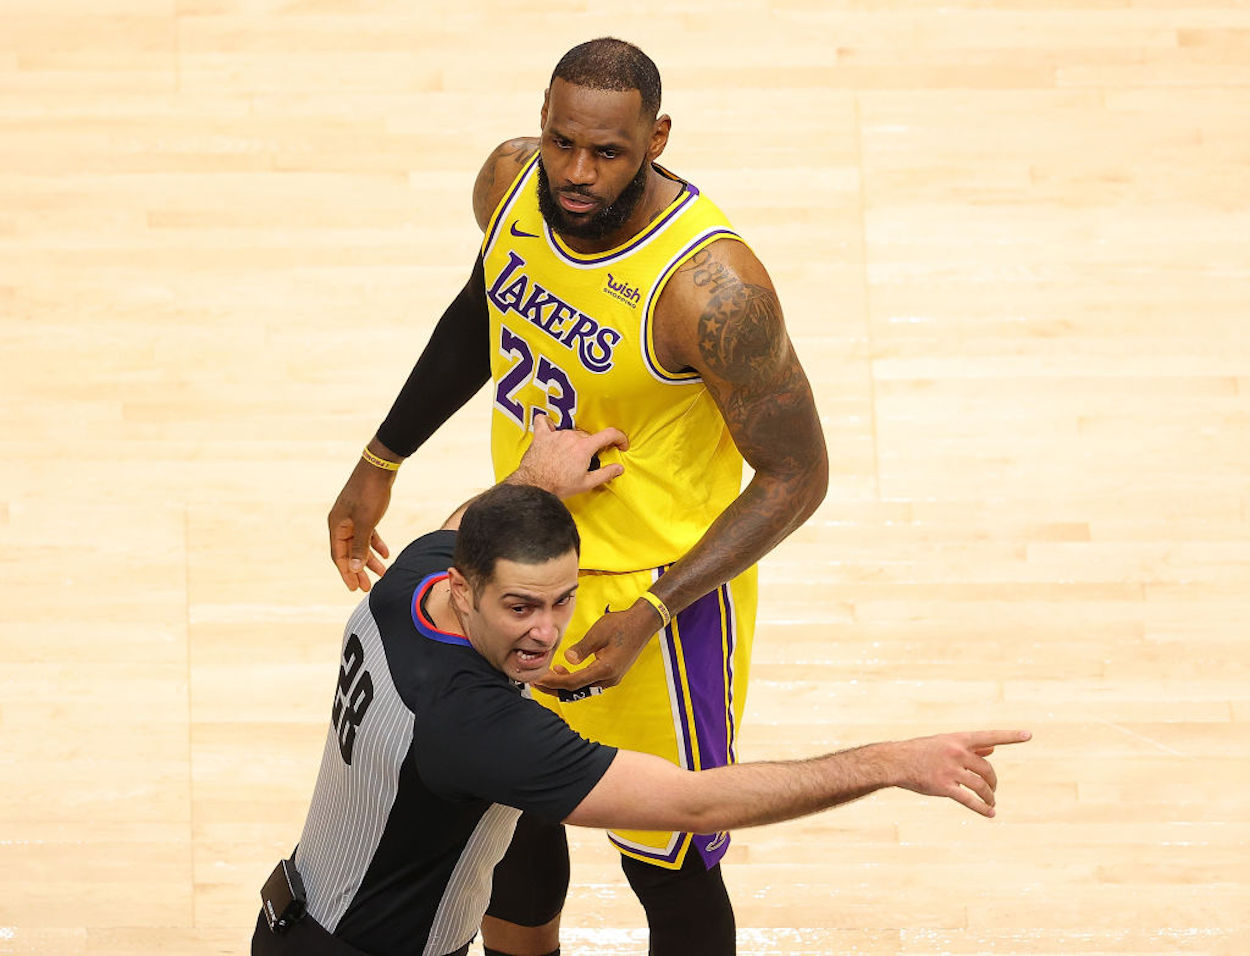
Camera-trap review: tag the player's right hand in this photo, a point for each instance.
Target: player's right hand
(954, 766)
(355, 545)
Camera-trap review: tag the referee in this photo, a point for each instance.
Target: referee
(434, 749)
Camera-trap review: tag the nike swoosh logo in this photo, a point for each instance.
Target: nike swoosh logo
(519, 233)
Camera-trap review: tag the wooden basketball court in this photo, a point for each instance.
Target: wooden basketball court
(1013, 244)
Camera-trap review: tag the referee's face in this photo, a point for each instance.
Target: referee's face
(520, 615)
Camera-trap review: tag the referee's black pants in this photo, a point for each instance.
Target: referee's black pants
(307, 938)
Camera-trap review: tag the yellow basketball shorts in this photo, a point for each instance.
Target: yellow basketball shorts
(683, 698)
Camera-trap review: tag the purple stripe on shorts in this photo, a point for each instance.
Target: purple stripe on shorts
(679, 692)
(703, 648)
(702, 642)
(731, 645)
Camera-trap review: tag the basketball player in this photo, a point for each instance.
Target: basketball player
(434, 749)
(611, 292)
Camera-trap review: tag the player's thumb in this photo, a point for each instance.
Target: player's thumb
(578, 652)
(359, 550)
(592, 642)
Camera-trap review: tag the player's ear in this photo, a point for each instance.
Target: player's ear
(659, 136)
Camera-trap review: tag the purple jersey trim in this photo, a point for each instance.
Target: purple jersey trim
(505, 204)
(704, 238)
(644, 237)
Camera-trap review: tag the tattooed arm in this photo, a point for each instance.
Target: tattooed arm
(720, 316)
(724, 320)
(497, 174)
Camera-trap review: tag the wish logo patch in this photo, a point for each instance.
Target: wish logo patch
(620, 289)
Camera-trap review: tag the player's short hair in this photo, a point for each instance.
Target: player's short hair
(611, 64)
(517, 523)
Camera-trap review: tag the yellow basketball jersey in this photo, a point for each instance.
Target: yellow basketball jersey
(570, 335)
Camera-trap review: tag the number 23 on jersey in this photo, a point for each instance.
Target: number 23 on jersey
(524, 376)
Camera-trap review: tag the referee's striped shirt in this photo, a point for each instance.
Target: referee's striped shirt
(430, 757)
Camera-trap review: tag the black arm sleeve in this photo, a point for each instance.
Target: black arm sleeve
(454, 365)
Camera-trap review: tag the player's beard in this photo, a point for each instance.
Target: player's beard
(603, 223)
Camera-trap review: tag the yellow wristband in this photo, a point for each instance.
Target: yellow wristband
(377, 462)
(659, 606)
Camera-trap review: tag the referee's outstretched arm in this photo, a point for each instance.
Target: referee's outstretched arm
(643, 792)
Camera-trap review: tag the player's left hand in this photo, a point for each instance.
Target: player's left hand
(615, 641)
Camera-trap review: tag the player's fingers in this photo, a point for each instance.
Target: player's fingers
(340, 544)
(559, 678)
(983, 751)
(358, 551)
(375, 565)
(340, 540)
(349, 578)
(542, 423)
(597, 673)
(379, 545)
(543, 684)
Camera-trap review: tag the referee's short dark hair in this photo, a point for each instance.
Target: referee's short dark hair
(514, 522)
(611, 64)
